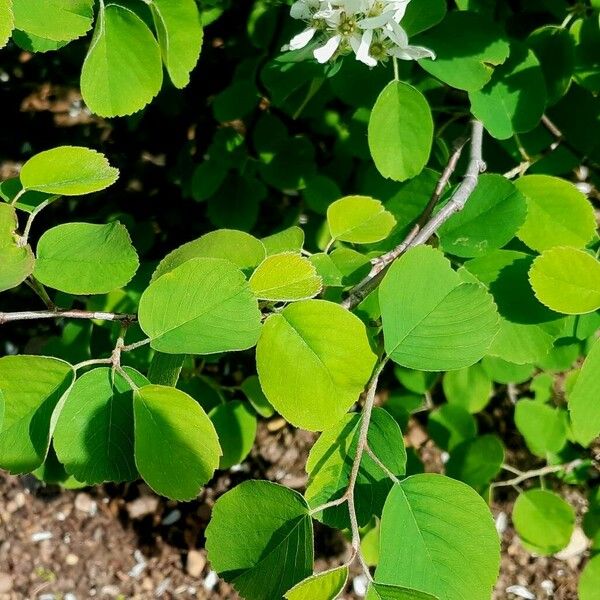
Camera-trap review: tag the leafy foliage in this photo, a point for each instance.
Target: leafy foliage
(310, 254)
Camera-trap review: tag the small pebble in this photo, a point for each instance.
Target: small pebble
(112, 591)
(162, 587)
(85, 504)
(520, 591)
(501, 522)
(196, 561)
(172, 517)
(548, 587)
(210, 581)
(140, 507)
(71, 559)
(70, 596)
(40, 536)
(359, 585)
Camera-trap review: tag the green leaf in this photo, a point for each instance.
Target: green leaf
(330, 462)
(450, 425)
(17, 261)
(554, 47)
(251, 388)
(215, 309)
(464, 61)
(32, 388)
(288, 240)
(490, 219)
(122, 71)
(359, 220)
(27, 201)
(83, 258)
(276, 529)
(179, 30)
(94, 432)
(400, 131)
(543, 520)
(476, 461)
(438, 537)
(583, 400)
(239, 247)
(235, 425)
(434, 328)
(313, 360)
(589, 581)
(558, 214)
(586, 33)
(567, 280)
(320, 586)
(58, 20)
(470, 388)
(34, 43)
(502, 371)
(515, 98)
(68, 171)
(421, 15)
(176, 445)
(7, 21)
(380, 591)
(285, 278)
(543, 427)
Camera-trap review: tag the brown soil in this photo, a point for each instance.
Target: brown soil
(124, 542)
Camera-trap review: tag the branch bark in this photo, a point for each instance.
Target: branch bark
(32, 315)
(525, 475)
(428, 225)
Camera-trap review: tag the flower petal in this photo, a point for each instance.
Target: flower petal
(325, 52)
(362, 53)
(300, 40)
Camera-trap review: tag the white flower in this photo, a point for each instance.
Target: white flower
(369, 28)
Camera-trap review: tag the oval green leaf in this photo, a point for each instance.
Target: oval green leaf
(544, 428)
(68, 171)
(275, 525)
(320, 586)
(285, 278)
(438, 537)
(567, 280)
(449, 325)
(32, 387)
(122, 71)
(589, 582)
(470, 388)
(544, 521)
(215, 311)
(7, 21)
(176, 445)
(400, 131)
(93, 438)
(313, 360)
(83, 258)
(17, 261)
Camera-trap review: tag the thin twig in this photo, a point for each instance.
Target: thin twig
(30, 315)
(135, 345)
(524, 476)
(378, 462)
(419, 236)
(92, 362)
(22, 241)
(121, 371)
(40, 290)
(331, 504)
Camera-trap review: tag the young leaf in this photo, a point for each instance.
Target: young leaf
(327, 585)
(421, 15)
(583, 400)
(285, 278)
(490, 219)
(17, 261)
(543, 520)
(239, 247)
(68, 171)
(431, 320)
(235, 425)
(543, 427)
(7, 21)
(470, 388)
(450, 425)
(558, 214)
(215, 309)
(179, 30)
(464, 61)
(589, 581)
(176, 445)
(27, 201)
(58, 20)
(276, 529)
(122, 71)
(288, 240)
(400, 131)
(567, 280)
(380, 591)
(476, 461)
(500, 104)
(32, 387)
(359, 220)
(313, 360)
(83, 258)
(251, 388)
(438, 537)
(330, 462)
(93, 438)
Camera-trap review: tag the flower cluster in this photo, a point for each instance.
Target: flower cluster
(369, 28)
